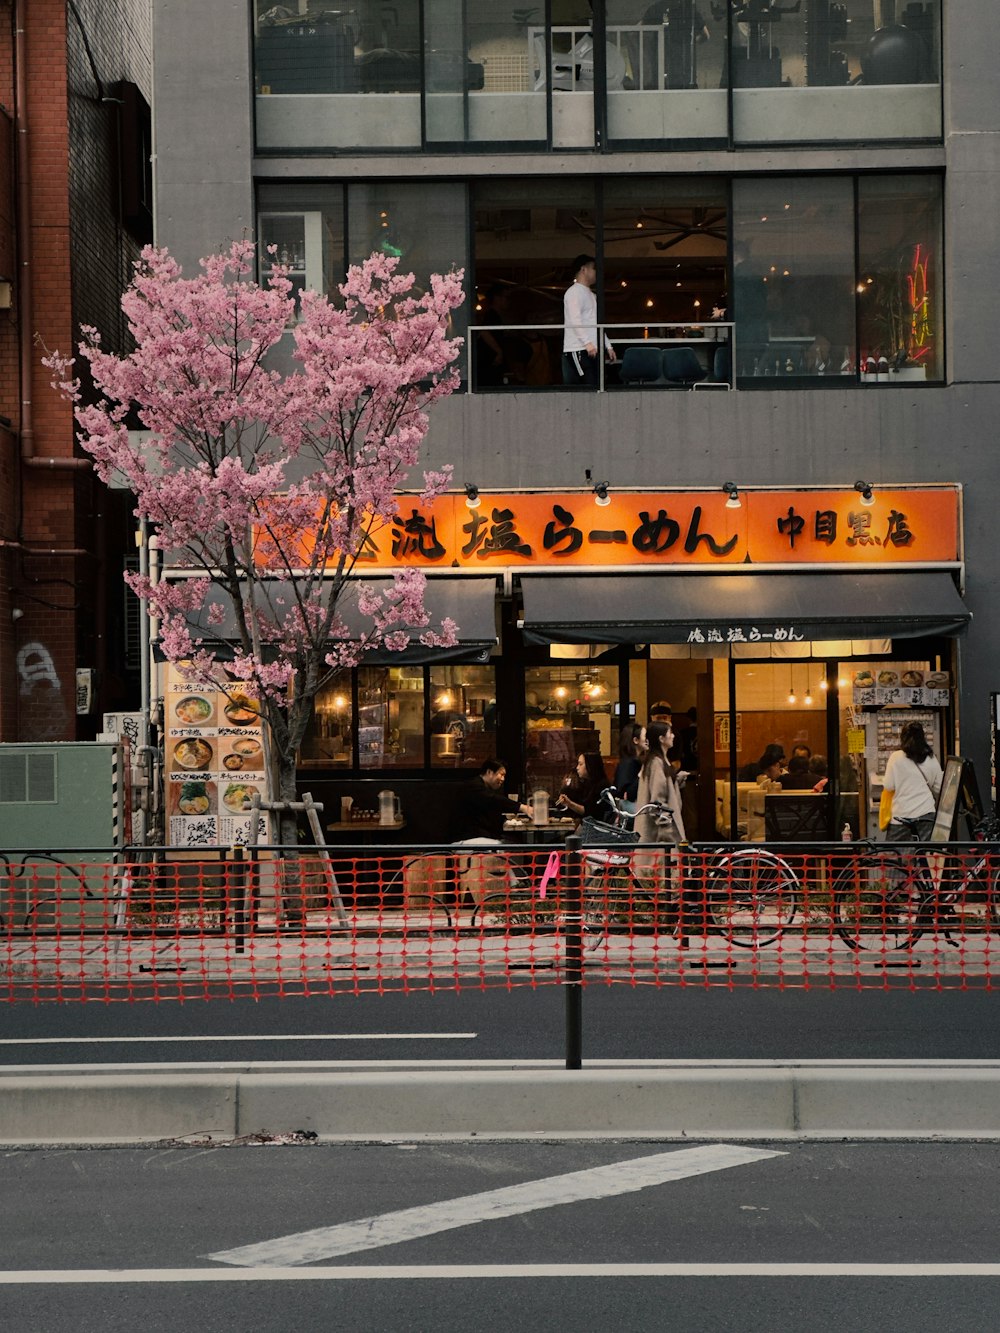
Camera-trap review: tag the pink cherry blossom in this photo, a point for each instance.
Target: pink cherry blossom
(265, 484)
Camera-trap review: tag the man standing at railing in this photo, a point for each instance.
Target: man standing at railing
(580, 336)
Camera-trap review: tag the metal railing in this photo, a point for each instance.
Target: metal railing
(646, 355)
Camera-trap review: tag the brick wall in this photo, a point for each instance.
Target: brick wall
(78, 261)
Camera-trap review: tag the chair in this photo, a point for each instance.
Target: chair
(722, 364)
(681, 368)
(801, 817)
(642, 365)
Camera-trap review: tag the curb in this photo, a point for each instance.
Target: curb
(120, 1105)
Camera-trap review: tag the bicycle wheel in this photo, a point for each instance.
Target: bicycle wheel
(877, 902)
(751, 896)
(423, 883)
(617, 901)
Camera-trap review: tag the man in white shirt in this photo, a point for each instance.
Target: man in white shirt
(580, 364)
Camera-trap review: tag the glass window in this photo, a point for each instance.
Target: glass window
(665, 72)
(527, 235)
(480, 84)
(856, 70)
(793, 276)
(780, 705)
(305, 224)
(665, 262)
(423, 225)
(463, 716)
(569, 710)
(329, 741)
(338, 78)
(900, 315)
(391, 717)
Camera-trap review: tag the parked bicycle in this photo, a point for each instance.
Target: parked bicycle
(885, 900)
(748, 894)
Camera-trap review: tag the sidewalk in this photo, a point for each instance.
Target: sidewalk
(422, 953)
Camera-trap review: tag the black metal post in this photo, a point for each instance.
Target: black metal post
(236, 890)
(573, 984)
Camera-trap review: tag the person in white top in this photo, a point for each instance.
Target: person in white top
(580, 338)
(913, 776)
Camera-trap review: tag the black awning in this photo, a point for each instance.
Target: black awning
(470, 602)
(727, 608)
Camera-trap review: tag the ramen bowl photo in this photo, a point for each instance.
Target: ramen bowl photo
(193, 710)
(192, 754)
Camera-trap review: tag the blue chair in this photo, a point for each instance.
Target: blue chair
(642, 365)
(722, 369)
(681, 368)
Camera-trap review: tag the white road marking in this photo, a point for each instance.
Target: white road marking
(599, 1182)
(288, 1036)
(485, 1272)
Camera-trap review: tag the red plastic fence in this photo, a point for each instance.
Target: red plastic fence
(90, 926)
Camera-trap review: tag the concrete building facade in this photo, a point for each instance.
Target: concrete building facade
(869, 122)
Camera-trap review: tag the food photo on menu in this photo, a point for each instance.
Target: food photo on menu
(193, 797)
(193, 754)
(241, 754)
(194, 710)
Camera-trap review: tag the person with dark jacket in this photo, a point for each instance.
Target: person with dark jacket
(484, 806)
(768, 765)
(798, 777)
(582, 794)
(631, 748)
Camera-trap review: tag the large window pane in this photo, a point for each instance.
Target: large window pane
(664, 259)
(424, 225)
(338, 78)
(793, 276)
(527, 235)
(900, 314)
(569, 711)
(665, 72)
(463, 716)
(480, 81)
(856, 70)
(329, 741)
(305, 224)
(391, 717)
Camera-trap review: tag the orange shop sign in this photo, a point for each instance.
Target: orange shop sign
(675, 528)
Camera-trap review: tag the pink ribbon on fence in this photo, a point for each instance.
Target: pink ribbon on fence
(550, 872)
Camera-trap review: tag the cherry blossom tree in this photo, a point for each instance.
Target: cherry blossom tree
(262, 486)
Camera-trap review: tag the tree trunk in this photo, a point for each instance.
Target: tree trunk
(287, 819)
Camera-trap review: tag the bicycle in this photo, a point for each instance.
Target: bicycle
(748, 894)
(886, 899)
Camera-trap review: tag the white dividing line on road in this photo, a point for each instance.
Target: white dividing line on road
(288, 1036)
(482, 1272)
(599, 1182)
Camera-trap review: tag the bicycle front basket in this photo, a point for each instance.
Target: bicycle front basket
(595, 833)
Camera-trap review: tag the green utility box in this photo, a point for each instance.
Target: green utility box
(62, 819)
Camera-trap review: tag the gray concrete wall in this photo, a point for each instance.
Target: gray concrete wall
(807, 437)
(203, 125)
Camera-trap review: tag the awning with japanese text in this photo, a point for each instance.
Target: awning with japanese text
(724, 609)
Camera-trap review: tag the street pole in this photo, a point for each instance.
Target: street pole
(573, 984)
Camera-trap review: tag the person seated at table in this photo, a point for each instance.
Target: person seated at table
(483, 805)
(798, 777)
(581, 793)
(802, 749)
(770, 765)
(818, 772)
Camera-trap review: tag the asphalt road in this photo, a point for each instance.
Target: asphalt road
(619, 1023)
(109, 1241)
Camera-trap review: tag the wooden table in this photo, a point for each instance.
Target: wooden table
(525, 830)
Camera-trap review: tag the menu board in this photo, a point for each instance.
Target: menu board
(213, 762)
